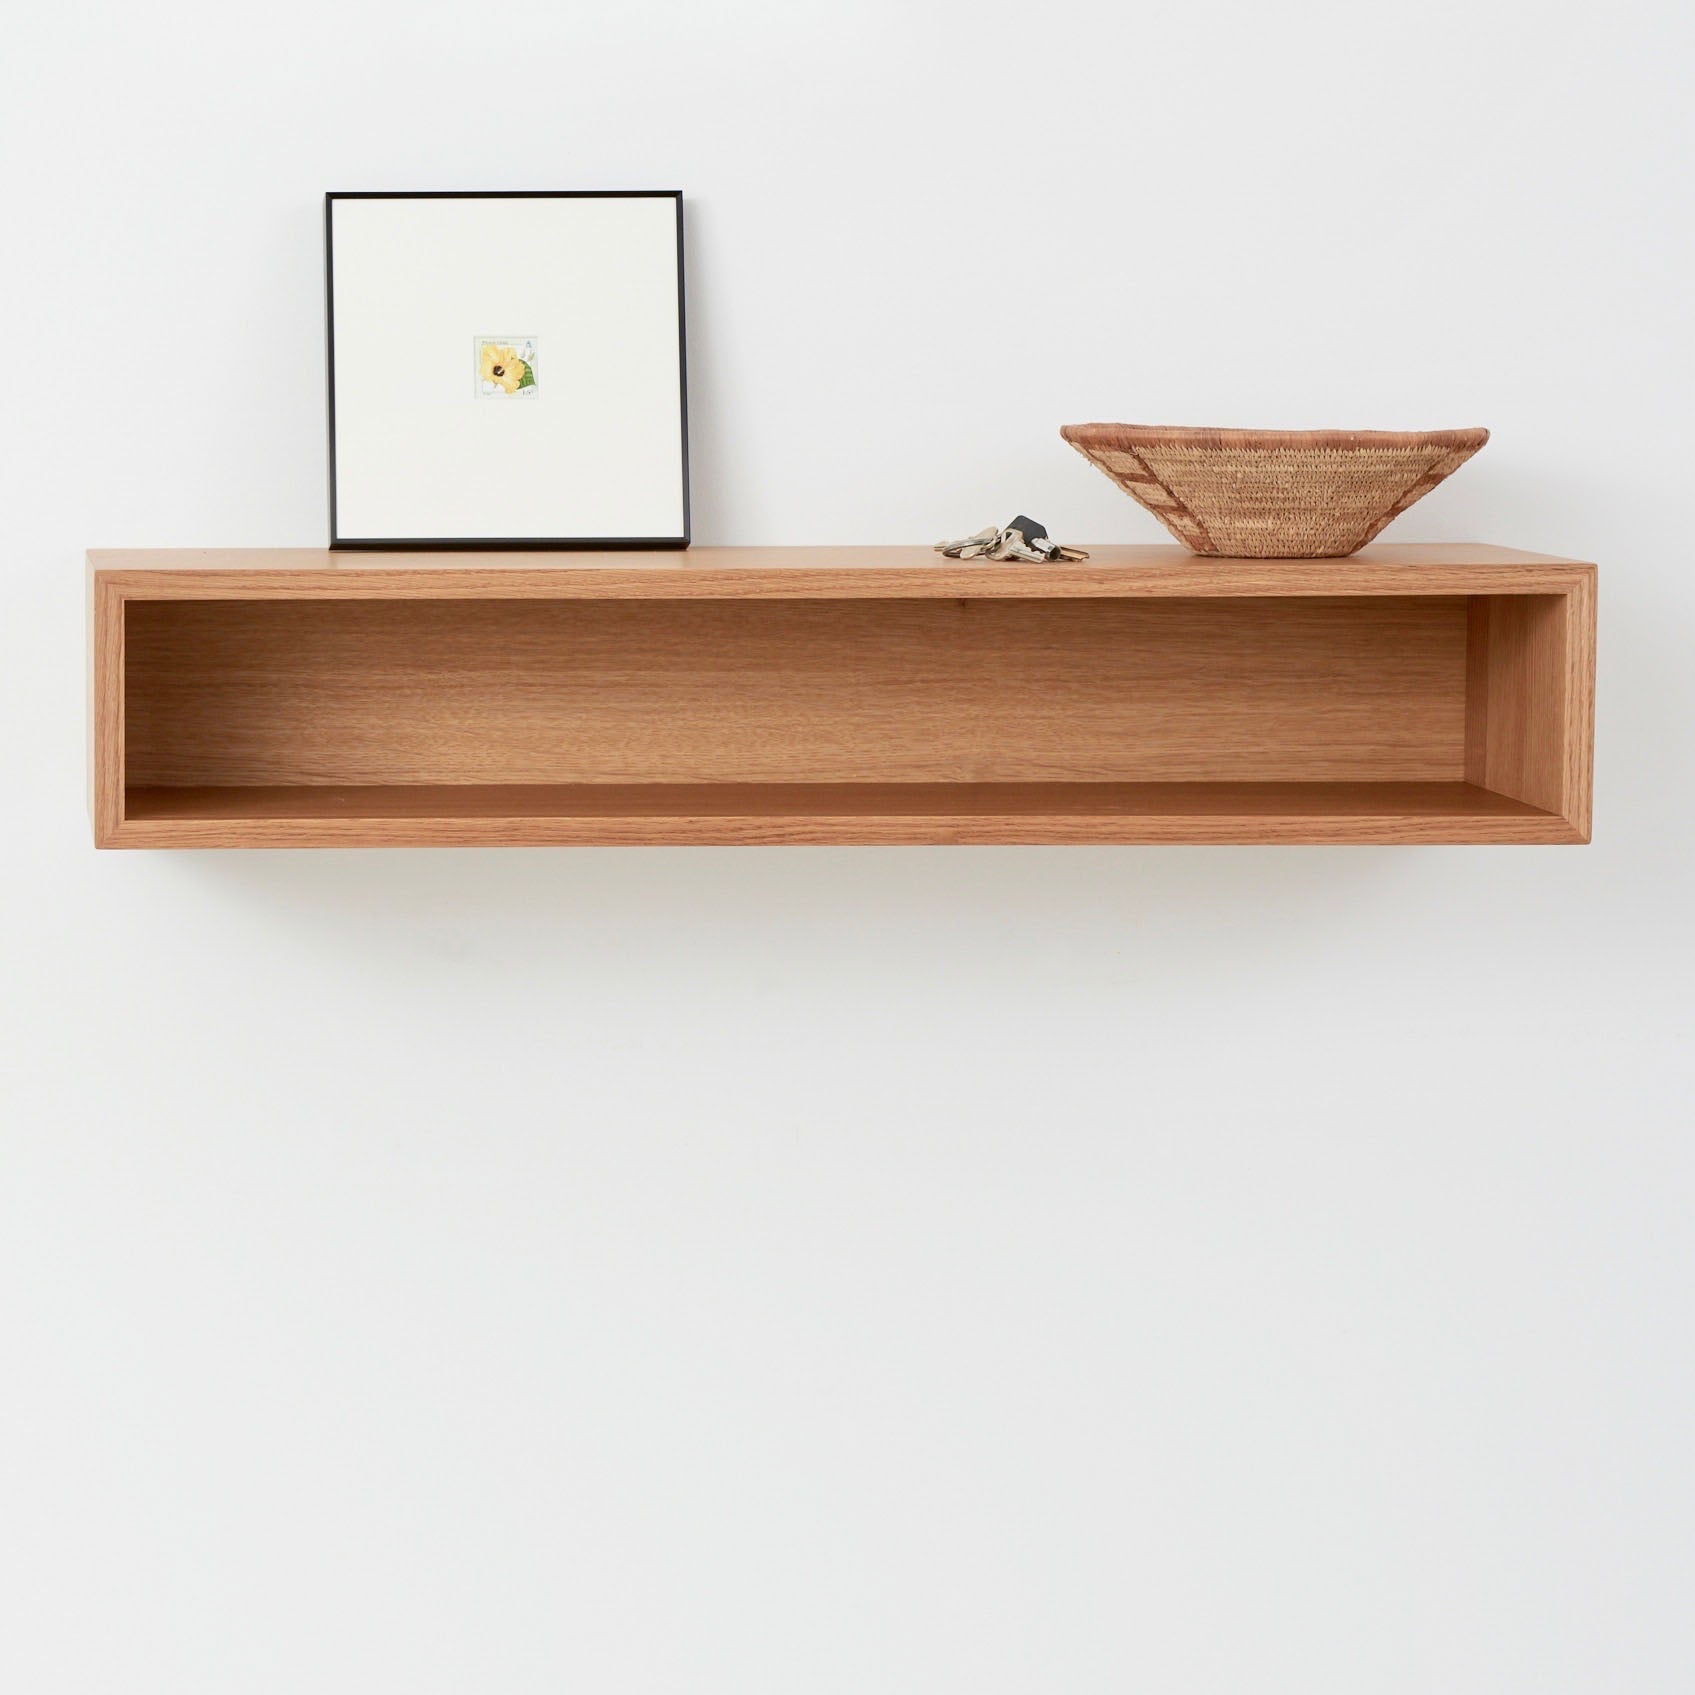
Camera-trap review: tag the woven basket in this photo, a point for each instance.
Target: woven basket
(1274, 494)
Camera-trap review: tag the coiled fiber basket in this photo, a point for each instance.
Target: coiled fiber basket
(1274, 494)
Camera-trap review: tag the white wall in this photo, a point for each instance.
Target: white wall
(932, 1271)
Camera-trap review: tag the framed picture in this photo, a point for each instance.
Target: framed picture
(506, 370)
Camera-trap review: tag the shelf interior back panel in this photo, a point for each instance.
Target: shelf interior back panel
(367, 693)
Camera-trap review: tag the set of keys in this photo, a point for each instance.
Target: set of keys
(1023, 538)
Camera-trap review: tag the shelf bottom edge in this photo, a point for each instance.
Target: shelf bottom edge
(1033, 812)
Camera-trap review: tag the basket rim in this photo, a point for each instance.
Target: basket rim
(1266, 441)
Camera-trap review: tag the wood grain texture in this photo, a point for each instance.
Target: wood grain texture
(817, 814)
(817, 573)
(1530, 698)
(106, 771)
(1409, 694)
(1577, 804)
(789, 692)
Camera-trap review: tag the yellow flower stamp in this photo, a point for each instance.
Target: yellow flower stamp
(506, 365)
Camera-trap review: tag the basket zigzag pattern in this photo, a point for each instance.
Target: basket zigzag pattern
(1274, 494)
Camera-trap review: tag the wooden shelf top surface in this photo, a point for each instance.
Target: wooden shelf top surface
(825, 573)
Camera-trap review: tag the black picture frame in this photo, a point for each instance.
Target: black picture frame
(340, 543)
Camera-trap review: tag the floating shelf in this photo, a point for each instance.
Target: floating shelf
(301, 698)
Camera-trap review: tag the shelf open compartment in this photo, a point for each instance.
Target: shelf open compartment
(341, 717)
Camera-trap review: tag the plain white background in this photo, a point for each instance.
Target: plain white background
(966, 1271)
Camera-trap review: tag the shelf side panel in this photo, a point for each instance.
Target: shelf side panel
(106, 775)
(1530, 698)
